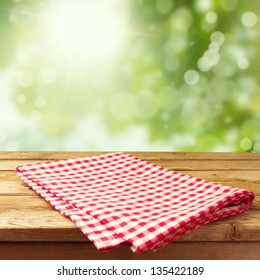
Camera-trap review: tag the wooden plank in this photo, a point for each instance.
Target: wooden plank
(23, 202)
(34, 219)
(29, 199)
(174, 251)
(43, 155)
(173, 164)
(240, 179)
(234, 179)
(27, 202)
(15, 222)
(11, 188)
(237, 178)
(8, 175)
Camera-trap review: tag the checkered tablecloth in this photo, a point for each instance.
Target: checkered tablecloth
(117, 198)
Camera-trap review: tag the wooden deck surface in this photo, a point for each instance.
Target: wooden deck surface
(31, 229)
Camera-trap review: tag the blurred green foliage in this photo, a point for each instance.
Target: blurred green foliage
(187, 75)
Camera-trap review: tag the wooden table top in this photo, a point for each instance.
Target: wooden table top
(26, 217)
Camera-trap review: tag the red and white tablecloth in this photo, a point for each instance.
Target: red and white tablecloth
(117, 198)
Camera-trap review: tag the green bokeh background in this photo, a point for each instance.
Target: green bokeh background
(186, 79)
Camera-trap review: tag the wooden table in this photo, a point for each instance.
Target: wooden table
(31, 229)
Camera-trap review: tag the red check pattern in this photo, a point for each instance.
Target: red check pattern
(117, 198)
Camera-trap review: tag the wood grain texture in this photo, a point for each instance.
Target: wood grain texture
(31, 229)
(15, 223)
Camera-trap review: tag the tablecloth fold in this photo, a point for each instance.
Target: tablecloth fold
(117, 198)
